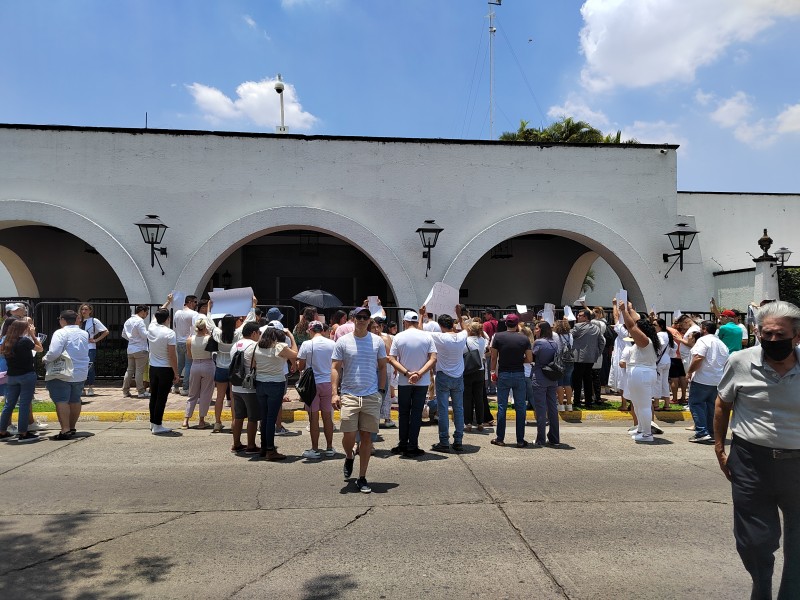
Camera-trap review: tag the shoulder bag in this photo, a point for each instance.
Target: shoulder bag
(306, 385)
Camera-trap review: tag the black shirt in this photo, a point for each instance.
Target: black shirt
(20, 361)
(511, 347)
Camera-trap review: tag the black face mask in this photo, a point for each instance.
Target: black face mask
(778, 349)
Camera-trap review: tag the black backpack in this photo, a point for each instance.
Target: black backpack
(610, 336)
(237, 370)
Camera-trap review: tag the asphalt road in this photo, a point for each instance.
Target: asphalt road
(119, 513)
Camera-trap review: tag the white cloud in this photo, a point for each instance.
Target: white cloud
(703, 98)
(251, 23)
(638, 43)
(256, 103)
(655, 132)
(734, 113)
(577, 108)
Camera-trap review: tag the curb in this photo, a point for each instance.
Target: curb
(290, 416)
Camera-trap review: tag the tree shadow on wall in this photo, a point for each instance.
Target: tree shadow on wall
(43, 564)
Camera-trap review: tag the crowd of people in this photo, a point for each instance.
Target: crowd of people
(362, 363)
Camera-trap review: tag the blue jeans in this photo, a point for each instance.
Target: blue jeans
(90, 375)
(446, 388)
(515, 382)
(701, 404)
(270, 399)
(546, 412)
(184, 364)
(410, 401)
(19, 387)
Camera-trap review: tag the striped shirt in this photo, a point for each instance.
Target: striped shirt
(359, 356)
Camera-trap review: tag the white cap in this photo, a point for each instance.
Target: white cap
(411, 317)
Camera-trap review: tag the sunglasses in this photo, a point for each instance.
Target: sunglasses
(362, 317)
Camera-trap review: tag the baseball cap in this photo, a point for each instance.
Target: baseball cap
(12, 306)
(315, 326)
(727, 313)
(361, 309)
(274, 314)
(411, 317)
(512, 319)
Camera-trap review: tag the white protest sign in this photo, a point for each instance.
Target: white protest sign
(375, 309)
(622, 297)
(549, 313)
(236, 302)
(178, 299)
(442, 300)
(676, 315)
(580, 301)
(522, 309)
(568, 314)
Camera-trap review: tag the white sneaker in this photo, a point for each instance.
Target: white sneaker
(12, 429)
(156, 429)
(569, 407)
(143, 395)
(37, 426)
(389, 424)
(561, 408)
(643, 438)
(183, 392)
(312, 454)
(90, 391)
(655, 428)
(330, 452)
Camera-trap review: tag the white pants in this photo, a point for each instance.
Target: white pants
(641, 384)
(662, 382)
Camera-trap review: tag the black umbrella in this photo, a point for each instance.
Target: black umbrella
(318, 298)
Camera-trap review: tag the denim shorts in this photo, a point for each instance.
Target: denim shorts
(221, 375)
(65, 391)
(566, 379)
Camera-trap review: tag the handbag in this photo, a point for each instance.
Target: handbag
(249, 380)
(61, 368)
(555, 369)
(212, 345)
(473, 361)
(306, 385)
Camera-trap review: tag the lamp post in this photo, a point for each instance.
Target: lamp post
(782, 254)
(681, 239)
(279, 87)
(429, 234)
(226, 279)
(152, 230)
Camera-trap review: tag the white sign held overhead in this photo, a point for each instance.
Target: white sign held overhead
(442, 300)
(236, 302)
(568, 314)
(375, 309)
(549, 313)
(622, 297)
(580, 301)
(178, 299)
(522, 309)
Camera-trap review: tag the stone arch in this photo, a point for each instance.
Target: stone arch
(224, 242)
(20, 273)
(28, 212)
(623, 257)
(574, 282)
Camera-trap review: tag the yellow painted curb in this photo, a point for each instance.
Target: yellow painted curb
(290, 416)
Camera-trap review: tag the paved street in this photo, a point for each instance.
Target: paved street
(120, 513)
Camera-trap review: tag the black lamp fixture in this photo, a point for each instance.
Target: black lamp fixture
(782, 255)
(681, 239)
(429, 234)
(152, 230)
(226, 278)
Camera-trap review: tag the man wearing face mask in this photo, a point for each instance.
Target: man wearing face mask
(762, 384)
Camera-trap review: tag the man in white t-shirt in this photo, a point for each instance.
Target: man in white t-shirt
(359, 365)
(245, 401)
(316, 352)
(413, 355)
(163, 368)
(135, 331)
(450, 347)
(709, 356)
(183, 324)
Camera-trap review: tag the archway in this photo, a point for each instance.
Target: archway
(101, 255)
(207, 260)
(583, 233)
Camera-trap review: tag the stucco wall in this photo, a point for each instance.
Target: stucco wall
(218, 191)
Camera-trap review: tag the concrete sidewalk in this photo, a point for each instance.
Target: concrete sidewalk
(108, 404)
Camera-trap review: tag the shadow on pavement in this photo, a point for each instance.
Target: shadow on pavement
(43, 564)
(328, 587)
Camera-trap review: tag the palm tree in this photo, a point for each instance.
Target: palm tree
(566, 129)
(588, 281)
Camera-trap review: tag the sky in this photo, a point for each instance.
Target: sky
(718, 77)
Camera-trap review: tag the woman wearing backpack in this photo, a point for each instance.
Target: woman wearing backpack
(544, 388)
(564, 388)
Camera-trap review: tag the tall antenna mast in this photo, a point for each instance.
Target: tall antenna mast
(492, 30)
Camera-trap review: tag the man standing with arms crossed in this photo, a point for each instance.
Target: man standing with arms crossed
(762, 385)
(358, 382)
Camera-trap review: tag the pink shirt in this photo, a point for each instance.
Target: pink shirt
(341, 330)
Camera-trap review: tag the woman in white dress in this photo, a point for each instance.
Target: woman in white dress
(641, 370)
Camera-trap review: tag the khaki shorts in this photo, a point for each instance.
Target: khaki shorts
(360, 413)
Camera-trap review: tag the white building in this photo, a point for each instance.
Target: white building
(284, 212)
